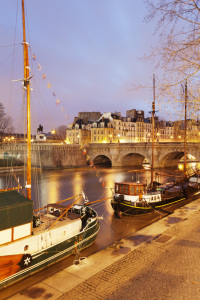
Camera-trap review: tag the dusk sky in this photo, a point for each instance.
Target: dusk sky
(89, 51)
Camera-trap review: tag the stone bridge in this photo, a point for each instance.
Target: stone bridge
(43, 154)
(57, 155)
(165, 154)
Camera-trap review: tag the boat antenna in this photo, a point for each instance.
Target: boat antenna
(153, 125)
(27, 89)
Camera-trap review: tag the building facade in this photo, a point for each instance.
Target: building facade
(134, 128)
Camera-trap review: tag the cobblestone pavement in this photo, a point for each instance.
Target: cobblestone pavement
(167, 268)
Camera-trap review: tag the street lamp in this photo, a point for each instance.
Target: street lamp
(53, 133)
(118, 137)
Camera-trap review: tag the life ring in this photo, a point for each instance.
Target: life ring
(25, 261)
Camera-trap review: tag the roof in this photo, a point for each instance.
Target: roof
(130, 183)
(15, 210)
(12, 198)
(57, 206)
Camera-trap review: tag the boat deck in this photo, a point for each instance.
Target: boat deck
(48, 219)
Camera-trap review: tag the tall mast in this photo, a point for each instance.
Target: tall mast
(153, 114)
(27, 88)
(185, 132)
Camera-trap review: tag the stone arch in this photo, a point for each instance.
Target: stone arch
(192, 162)
(133, 159)
(102, 160)
(172, 159)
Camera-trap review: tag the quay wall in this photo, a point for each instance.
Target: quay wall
(45, 155)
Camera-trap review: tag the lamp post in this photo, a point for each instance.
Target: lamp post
(118, 138)
(53, 133)
(158, 136)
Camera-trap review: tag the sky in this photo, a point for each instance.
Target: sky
(90, 52)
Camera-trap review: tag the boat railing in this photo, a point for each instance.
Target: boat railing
(152, 193)
(192, 171)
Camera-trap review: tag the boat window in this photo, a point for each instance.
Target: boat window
(26, 248)
(117, 188)
(122, 189)
(137, 190)
(141, 190)
(151, 198)
(126, 190)
(132, 190)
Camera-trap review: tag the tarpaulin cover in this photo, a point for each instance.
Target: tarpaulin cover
(15, 209)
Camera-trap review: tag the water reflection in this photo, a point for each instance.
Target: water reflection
(78, 183)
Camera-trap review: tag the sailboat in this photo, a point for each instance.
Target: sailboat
(32, 240)
(133, 198)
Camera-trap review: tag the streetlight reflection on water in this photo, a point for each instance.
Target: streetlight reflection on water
(78, 183)
(57, 185)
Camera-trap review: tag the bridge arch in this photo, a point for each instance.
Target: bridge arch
(173, 159)
(102, 160)
(133, 159)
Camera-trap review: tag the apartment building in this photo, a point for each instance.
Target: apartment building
(134, 128)
(78, 133)
(102, 131)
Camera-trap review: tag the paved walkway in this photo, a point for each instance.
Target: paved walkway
(161, 261)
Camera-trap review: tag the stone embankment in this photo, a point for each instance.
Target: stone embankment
(45, 155)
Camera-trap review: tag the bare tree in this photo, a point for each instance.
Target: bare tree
(178, 51)
(61, 132)
(5, 122)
